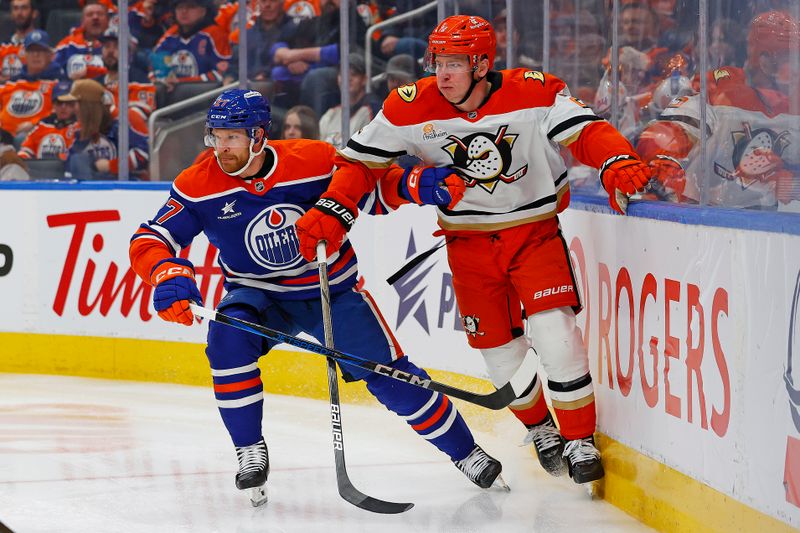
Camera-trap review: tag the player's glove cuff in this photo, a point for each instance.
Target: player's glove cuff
(339, 208)
(604, 174)
(172, 267)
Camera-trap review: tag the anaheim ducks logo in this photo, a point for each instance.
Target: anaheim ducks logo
(25, 103)
(483, 159)
(408, 92)
(756, 156)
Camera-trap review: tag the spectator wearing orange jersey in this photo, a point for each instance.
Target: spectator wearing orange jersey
(26, 99)
(79, 52)
(53, 136)
(24, 15)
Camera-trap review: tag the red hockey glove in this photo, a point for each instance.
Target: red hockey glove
(621, 176)
(432, 186)
(329, 220)
(175, 287)
(669, 179)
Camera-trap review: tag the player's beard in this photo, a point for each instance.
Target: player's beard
(231, 162)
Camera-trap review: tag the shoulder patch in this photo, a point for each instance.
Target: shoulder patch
(534, 75)
(720, 74)
(408, 92)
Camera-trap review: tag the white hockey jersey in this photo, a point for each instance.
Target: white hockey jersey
(507, 151)
(753, 143)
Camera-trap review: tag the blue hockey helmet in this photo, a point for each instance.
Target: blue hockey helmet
(239, 108)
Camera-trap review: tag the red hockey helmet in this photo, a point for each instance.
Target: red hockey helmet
(772, 32)
(462, 34)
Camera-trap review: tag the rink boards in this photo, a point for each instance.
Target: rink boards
(689, 330)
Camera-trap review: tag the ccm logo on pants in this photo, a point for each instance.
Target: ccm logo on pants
(552, 291)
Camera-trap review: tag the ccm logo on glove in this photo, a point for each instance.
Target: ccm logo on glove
(171, 272)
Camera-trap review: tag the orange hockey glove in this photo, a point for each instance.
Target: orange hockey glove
(329, 220)
(669, 179)
(175, 287)
(622, 176)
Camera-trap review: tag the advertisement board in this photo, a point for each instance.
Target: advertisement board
(690, 329)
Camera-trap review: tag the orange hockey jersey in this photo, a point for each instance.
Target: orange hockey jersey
(49, 140)
(24, 101)
(12, 58)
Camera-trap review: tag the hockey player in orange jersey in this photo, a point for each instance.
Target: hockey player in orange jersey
(499, 133)
(752, 125)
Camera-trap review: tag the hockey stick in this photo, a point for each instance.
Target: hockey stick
(517, 387)
(346, 488)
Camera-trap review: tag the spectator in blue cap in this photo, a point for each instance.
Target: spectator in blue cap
(39, 58)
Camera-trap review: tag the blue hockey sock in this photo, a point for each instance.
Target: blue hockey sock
(429, 413)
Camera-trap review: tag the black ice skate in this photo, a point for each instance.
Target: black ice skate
(583, 460)
(549, 446)
(481, 468)
(253, 471)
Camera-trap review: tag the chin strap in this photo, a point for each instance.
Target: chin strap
(469, 91)
(249, 160)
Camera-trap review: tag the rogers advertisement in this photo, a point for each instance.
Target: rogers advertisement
(691, 330)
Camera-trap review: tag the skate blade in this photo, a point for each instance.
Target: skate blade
(500, 483)
(258, 495)
(590, 489)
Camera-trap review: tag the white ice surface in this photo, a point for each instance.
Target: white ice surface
(113, 456)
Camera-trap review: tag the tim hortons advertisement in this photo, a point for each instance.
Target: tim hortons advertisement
(691, 331)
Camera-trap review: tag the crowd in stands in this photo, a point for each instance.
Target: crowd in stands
(59, 83)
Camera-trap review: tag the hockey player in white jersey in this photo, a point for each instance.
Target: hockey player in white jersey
(752, 126)
(500, 133)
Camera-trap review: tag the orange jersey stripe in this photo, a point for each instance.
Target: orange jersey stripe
(434, 418)
(237, 386)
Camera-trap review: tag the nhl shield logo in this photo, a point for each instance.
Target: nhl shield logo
(259, 186)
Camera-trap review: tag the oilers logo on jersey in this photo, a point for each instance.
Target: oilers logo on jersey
(25, 103)
(271, 238)
(184, 64)
(756, 156)
(12, 66)
(52, 145)
(483, 159)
